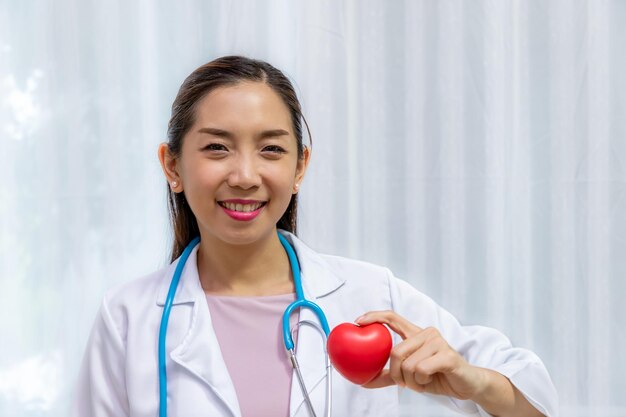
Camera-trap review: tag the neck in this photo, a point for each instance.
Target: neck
(257, 269)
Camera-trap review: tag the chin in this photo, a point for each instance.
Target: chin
(246, 235)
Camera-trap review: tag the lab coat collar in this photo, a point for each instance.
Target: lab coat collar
(318, 279)
(189, 284)
(200, 352)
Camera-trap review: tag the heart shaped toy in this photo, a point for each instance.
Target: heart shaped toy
(359, 353)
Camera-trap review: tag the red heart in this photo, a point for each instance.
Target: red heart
(359, 353)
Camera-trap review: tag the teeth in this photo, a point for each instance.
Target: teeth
(241, 207)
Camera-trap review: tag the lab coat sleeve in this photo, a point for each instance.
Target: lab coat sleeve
(480, 346)
(101, 389)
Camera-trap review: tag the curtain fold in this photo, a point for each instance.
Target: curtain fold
(475, 148)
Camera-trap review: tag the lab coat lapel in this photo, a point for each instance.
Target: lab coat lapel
(318, 280)
(199, 351)
(310, 351)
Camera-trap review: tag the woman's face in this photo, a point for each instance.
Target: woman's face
(241, 147)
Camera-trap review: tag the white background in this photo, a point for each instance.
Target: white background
(477, 148)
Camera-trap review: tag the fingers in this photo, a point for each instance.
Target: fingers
(413, 341)
(443, 362)
(395, 322)
(415, 377)
(406, 355)
(415, 361)
(416, 373)
(382, 380)
(423, 361)
(400, 353)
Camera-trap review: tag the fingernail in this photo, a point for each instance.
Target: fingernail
(359, 318)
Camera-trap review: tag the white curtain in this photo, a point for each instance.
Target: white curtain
(476, 148)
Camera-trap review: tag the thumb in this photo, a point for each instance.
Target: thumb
(383, 379)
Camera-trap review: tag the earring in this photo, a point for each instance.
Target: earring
(297, 185)
(174, 184)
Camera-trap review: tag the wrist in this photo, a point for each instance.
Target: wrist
(484, 384)
(498, 396)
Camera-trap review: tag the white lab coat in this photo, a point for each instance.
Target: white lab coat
(119, 375)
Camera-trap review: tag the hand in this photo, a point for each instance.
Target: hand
(424, 362)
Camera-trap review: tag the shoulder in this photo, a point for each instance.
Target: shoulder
(372, 276)
(362, 279)
(368, 280)
(350, 268)
(131, 301)
(135, 291)
(345, 272)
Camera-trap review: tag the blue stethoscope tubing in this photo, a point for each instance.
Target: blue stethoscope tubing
(301, 302)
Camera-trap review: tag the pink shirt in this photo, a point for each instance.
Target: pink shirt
(249, 332)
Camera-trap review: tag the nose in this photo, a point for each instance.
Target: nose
(244, 172)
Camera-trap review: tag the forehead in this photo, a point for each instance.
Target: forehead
(246, 105)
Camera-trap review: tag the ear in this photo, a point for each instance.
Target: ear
(301, 167)
(169, 166)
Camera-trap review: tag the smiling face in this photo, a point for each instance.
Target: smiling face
(239, 163)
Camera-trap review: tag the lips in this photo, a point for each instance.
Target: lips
(242, 210)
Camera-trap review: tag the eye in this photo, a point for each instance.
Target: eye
(214, 147)
(274, 149)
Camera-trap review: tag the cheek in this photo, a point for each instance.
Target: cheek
(205, 176)
(281, 178)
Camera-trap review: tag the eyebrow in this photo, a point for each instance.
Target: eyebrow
(226, 134)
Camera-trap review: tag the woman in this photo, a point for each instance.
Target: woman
(234, 164)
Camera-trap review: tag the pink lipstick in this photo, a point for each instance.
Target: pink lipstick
(242, 215)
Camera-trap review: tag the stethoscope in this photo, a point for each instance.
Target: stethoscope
(300, 302)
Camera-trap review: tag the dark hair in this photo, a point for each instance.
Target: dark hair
(221, 72)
